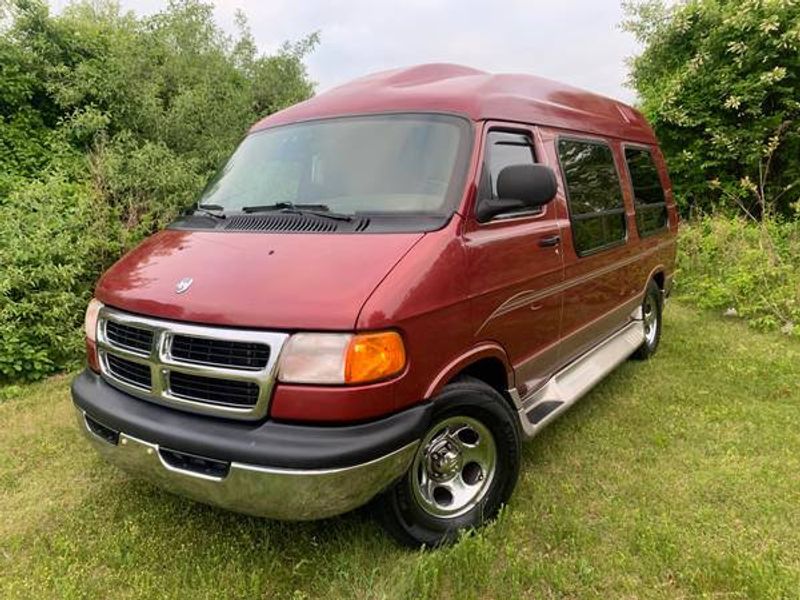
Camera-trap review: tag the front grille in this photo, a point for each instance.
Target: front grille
(218, 391)
(209, 370)
(247, 355)
(130, 372)
(127, 336)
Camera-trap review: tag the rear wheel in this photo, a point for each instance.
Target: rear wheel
(652, 306)
(465, 468)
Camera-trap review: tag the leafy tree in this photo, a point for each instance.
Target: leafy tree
(110, 124)
(720, 82)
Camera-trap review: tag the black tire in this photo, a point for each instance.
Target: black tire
(652, 309)
(402, 509)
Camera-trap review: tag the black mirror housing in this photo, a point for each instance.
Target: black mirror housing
(534, 185)
(519, 187)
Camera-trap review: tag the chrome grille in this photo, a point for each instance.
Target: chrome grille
(216, 391)
(210, 370)
(130, 372)
(132, 338)
(224, 353)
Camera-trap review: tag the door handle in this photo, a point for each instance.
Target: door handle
(547, 242)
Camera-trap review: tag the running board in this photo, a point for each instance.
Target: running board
(565, 387)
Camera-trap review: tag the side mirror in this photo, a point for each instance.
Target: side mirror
(519, 187)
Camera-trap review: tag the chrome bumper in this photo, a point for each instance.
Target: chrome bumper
(286, 494)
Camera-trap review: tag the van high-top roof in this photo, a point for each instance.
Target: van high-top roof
(475, 94)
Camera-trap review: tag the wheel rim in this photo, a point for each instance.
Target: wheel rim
(454, 467)
(650, 318)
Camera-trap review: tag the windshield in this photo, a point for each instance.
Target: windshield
(388, 164)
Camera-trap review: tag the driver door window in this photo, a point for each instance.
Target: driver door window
(504, 149)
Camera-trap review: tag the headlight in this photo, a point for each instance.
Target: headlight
(90, 321)
(342, 358)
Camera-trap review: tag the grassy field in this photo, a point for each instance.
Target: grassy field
(679, 477)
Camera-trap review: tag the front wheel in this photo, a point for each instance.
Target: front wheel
(465, 468)
(652, 308)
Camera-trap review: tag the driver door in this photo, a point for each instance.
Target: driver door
(515, 266)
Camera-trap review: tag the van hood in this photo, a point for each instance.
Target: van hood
(272, 281)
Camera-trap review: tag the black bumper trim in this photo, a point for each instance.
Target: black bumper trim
(265, 443)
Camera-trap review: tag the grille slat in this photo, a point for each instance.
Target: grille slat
(217, 391)
(246, 355)
(127, 336)
(129, 371)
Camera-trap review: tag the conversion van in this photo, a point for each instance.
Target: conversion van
(383, 292)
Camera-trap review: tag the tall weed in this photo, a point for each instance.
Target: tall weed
(752, 268)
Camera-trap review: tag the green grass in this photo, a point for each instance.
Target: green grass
(679, 477)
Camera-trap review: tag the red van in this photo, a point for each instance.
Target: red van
(380, 295)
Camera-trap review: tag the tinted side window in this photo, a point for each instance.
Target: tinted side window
(651, 208)
(503, 149)
(595, 200)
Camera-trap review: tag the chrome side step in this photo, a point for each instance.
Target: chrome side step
(565, 387)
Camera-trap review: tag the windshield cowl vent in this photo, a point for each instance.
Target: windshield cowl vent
(290, 223)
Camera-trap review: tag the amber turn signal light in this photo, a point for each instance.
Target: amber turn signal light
(374, 356)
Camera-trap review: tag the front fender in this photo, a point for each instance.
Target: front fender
(485, 350)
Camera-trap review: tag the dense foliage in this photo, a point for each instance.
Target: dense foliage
(732, 266)
(720, 82)
(110, 124)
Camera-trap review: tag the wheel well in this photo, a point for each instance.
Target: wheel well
(489, 370)
(659, 279)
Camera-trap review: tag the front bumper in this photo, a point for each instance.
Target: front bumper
(267, 469)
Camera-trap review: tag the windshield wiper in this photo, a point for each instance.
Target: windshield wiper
(211, 210)
(318, 210)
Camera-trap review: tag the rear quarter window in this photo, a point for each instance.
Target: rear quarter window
(648, 193)
(594, 195)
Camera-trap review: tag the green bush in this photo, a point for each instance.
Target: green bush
(146, 183)
(110, 125)
(732, 263)
(55, 236)
(719, 81)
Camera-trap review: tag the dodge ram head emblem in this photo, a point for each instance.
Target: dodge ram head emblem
(183, 285)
